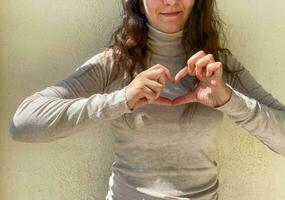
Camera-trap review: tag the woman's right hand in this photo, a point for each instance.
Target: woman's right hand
(146, 87)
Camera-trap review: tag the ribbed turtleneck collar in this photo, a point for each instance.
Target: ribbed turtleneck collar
(165, 44)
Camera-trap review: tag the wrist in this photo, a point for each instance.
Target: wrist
(224, 96)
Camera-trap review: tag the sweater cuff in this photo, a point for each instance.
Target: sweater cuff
(121, 102)
(108, 106)
(127, 108)
(238, 105)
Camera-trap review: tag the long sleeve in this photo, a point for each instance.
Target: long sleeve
(254, 109)
(69, 105)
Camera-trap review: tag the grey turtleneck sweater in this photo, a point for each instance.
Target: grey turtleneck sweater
(154, 157)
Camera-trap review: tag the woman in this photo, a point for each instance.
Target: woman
(163, 84)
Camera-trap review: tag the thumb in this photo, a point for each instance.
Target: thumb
(188, 98)
(162, 101)
(159, 101)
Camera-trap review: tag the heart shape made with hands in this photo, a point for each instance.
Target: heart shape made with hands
(173, 94)
(210, 90)
(174, 89)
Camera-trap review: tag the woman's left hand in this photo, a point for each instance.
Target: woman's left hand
(212, 90)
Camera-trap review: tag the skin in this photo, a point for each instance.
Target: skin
(145, 88)
(168, 16)
(212, 90)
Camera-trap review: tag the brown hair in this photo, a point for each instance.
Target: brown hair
(203, 31)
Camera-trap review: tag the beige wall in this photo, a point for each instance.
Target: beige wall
(256, 29)
(43, 41)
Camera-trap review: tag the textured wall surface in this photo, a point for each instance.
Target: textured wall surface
(256, 29)
(43, 41)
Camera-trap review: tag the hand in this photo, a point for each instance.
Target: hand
(146, 87)
(211, 91)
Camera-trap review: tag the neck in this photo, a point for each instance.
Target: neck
(165, 44)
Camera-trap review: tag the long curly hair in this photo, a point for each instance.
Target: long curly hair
(203, 31)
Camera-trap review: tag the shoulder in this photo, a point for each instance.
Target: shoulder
(96, 68)
(103, 68)
(230, 60)
(232, 67)
(101, 60)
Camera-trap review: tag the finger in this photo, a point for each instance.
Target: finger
(203, 62)
(162, 80)
(153, 85)
(192, 61)
(215, 69)
(163, 101)
(149, 94)
(182, 73)
(159, 101)
(156, 74)
(158, 70)
(168, 75)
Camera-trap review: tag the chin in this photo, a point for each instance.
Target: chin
(170, 29)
